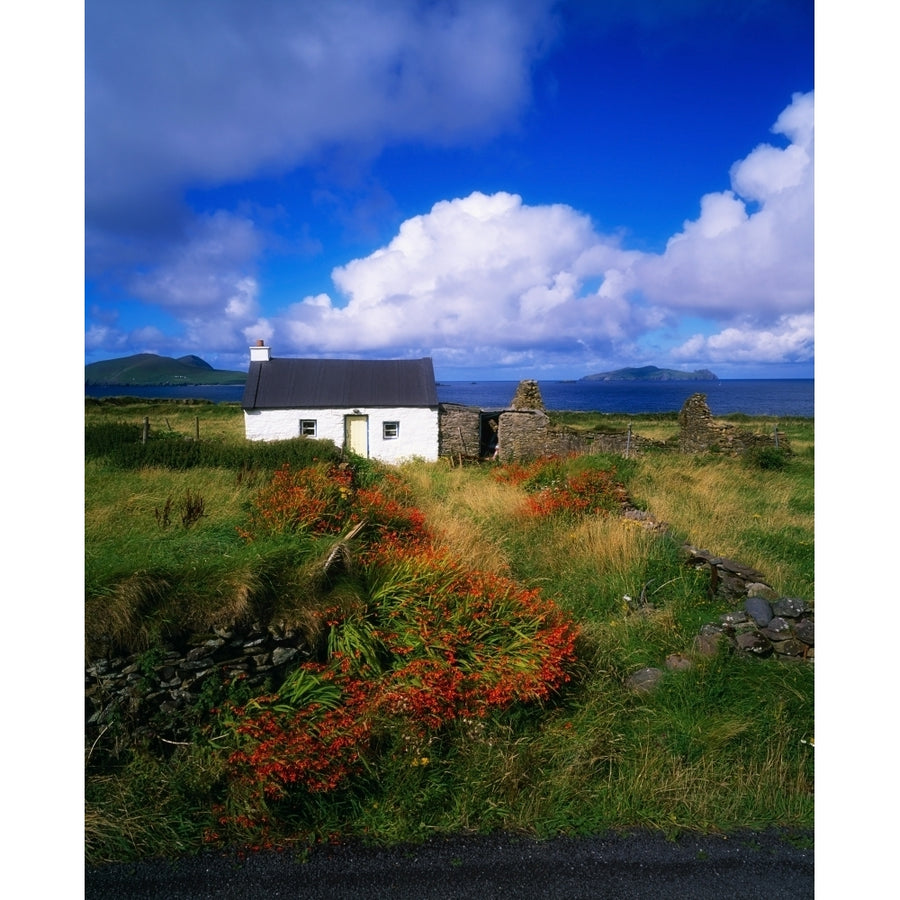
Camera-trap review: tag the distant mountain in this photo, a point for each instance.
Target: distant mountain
(652, 373)
(150, 369)
(195, 361)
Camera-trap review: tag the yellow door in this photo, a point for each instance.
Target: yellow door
(356, 430)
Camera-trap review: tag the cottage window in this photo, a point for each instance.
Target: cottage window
(391, 430)
(308, 427)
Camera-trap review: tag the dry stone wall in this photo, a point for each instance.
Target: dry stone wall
(150, 695)
(525, 431)
(529, 434)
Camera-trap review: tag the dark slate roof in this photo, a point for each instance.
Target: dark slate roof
(329, 383)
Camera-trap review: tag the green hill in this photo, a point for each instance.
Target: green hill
(150, 369)
(652, 373)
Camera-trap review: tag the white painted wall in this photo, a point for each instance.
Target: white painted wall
(418, 429)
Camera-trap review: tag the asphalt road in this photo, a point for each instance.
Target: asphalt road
(640, 866)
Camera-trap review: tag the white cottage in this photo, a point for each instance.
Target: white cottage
(383, 408)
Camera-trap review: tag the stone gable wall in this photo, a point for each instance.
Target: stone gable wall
(528, 396)
(699, 432)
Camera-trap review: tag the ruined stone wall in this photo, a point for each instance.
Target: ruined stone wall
(619, 442)
(523, 434)
(459, 431)
(698, 432)
(526, 432)
(529, 434)
(528, 396)
(152, 695)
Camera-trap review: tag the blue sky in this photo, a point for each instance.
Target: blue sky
(516, 188)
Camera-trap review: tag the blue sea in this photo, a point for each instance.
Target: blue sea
(754, 397)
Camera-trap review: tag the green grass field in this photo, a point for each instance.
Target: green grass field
(534, 735)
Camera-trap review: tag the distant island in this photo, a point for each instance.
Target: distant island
(152, 370)
(652, 373)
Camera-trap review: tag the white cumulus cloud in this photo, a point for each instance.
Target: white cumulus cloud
(788, 339)
(487, 278)
(751, 251)
(480, 274)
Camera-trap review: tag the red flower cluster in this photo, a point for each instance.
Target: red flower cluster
(526, 473)
(316, 498)
(587, 492)
(389, 514)
(314, 748)
(436, 642)
(555, 489)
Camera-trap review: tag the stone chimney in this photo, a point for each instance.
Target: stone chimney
(259, 352)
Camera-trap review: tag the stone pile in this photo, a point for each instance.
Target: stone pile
(764, 624)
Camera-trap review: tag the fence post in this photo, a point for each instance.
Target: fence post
(196, 428)
(776, 435)
(146, 432)
(628, 443)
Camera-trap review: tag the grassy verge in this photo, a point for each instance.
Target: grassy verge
(439, 687)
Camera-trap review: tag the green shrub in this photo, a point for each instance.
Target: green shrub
(121, 446)
(103, 438)
(767, 458)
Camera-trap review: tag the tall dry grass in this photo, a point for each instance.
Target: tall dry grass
(609, 544)
(723, 506)
(465, 509)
